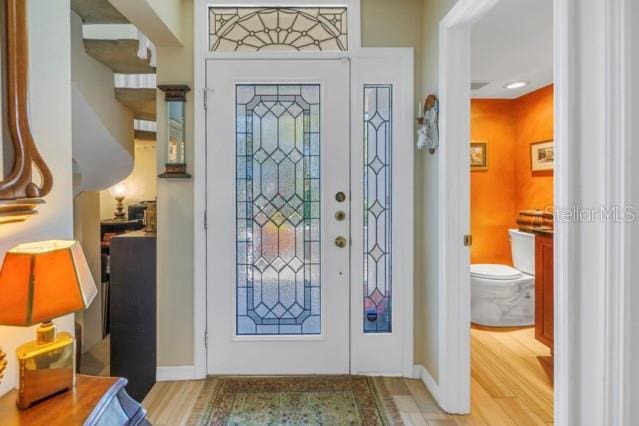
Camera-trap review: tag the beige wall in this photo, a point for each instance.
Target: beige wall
(175, 216)
(427, 342)
(50, 117)
(175, 197)
(141, 184)
(172, 13)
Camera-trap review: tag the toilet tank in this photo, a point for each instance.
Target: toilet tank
(522, 246)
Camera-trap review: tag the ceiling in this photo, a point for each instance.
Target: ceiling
(513, 42)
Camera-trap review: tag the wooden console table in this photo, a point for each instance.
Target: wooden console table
(95, 401)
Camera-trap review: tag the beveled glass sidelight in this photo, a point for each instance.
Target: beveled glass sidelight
(378, 143)
(175, 97)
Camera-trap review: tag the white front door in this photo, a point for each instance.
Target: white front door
(278, 185)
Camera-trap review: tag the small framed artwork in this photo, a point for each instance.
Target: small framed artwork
(542, 156)
(478, 156)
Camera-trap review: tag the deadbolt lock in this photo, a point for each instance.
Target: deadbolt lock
(340, 197)
(340, 215)
(340, 242)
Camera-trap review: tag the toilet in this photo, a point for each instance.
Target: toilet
(503, 296)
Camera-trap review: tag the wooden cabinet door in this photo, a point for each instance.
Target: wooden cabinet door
(544, 290)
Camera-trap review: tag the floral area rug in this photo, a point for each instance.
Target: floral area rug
(295, 400)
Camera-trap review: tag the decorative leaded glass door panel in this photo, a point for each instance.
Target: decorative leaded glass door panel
(278, 272)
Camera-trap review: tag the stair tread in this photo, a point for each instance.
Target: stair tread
(140, 101)
(121, 56)
(144, 135)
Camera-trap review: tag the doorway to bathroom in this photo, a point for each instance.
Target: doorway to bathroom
(511, 213)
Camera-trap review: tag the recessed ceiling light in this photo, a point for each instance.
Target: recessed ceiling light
(516, 85)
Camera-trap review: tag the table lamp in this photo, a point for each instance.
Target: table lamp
(38, 282)
(119, 193)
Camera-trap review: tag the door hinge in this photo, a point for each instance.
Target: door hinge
(206, 219)
(206, 338)
(468, 240)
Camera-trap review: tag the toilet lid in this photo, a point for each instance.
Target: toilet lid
(494, 272)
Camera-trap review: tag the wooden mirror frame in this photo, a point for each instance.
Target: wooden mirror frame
(18, 184)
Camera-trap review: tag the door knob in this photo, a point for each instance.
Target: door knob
(340, 197)
(340, 242)
(340, 215)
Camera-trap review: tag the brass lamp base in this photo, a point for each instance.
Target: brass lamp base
(47, 365)
(119, 209)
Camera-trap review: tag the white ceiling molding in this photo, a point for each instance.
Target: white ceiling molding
(513, 42)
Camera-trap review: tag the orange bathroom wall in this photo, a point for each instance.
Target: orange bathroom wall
(492, 195)
(534, 123)
(509, 185)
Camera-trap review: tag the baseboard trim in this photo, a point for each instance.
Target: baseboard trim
(175, 373)
(420, 372)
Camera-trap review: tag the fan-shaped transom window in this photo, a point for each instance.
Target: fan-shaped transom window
(253, 29)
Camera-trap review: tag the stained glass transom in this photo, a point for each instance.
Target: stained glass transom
(278, 209)
(378, 121)
(252, 29)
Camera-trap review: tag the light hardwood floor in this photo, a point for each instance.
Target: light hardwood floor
(509, 387)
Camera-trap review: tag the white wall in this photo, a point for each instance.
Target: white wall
(50, 112)
(86, 229)
(427, 347)
(95, 81)
(102, 127)
(633, 297)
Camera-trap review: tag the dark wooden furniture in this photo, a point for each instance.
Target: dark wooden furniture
(108, 230)
(95, 401)
(544, 288)
(133, 310)
(112, 228)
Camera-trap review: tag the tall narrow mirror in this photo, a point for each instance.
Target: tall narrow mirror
(20, 190)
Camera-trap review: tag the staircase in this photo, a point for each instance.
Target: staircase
(111, 40)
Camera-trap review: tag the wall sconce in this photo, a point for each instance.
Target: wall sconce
(175, 97)
(428, 123)
(119, 193)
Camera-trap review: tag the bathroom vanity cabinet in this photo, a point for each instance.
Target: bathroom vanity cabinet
(544, 288)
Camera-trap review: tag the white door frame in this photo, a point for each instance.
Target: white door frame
(201, 55)
(592, 74)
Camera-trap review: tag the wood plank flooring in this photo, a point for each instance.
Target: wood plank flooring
(509, 387)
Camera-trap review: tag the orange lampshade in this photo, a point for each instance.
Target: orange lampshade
(44, 280)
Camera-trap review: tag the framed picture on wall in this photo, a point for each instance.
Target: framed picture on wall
(542, 156)
(478, 156)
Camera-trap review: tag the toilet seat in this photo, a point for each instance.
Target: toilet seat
(494, 272)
